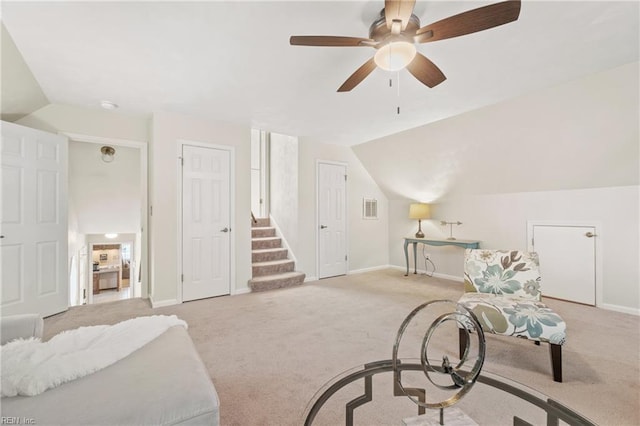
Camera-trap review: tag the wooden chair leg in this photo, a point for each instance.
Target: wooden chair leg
(462, 334)
(556, 361)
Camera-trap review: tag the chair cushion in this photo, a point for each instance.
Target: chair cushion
(515, 316)
(508, 272)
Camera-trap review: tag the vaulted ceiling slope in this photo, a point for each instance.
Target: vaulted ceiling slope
(576, 135)
(21, 93)
(232, 61)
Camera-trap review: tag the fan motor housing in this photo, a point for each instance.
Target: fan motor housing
(378, 31)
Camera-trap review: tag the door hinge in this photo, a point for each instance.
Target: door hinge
(182, 278)
(345, 177)
(181, 161)
(150, 210)
(345, 257)
(532, 244)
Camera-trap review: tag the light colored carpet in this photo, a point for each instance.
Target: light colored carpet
(268, 353)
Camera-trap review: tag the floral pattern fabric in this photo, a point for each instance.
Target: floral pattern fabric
(502, 288)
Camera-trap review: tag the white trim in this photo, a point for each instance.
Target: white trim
(239, 291)
(163, 303)
(180, 143)
(290, 254)
(597, 225)
(309, 279)
(363, 270)
(435, 275)
(618, 308)
(145, 282)
(346, 212)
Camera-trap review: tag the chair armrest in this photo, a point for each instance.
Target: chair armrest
(16, 326)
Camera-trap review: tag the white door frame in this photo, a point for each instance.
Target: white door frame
(317, 213)
(144, 202)
(232, 210)
(596, 224)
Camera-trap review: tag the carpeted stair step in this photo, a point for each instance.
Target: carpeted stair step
(265, 243)
(271, 282)
(263, 232)
(265, 255)
(272, 267)
(261, 222)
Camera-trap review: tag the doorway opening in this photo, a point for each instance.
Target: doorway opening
(113, 272)
(108, 218)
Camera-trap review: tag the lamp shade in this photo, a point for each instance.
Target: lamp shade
(419, 211)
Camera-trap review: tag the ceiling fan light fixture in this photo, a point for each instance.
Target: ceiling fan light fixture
(395, 56)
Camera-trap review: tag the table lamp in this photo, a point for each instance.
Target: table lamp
(419, 211)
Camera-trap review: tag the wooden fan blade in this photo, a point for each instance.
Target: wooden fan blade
(331, 41)
(357, 77)
(400, 10)
(426, 71)
(471, 21)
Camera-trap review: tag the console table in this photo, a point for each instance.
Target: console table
(471, 244)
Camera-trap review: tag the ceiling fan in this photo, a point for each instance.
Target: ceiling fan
(395, 33)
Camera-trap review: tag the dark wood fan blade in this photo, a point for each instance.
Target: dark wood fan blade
(335, 41)
(398, 9)
(426, 71)
(471, 21)
(357, 77)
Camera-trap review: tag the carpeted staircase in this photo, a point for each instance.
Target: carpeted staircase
(271, 268)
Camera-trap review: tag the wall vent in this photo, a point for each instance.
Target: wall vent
(369, 208)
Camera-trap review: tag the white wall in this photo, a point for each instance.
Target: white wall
(105, 196)
(368, 239)
(500, 221)
(284, 187)
(166, 130)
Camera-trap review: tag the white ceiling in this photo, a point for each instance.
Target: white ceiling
(232, 61)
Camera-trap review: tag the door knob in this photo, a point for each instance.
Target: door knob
(590, 235)
(323, 226)
(225, 229)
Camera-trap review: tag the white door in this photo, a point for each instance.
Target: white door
(34, 221)
(332, 220)
(567, 261)
(205, 222)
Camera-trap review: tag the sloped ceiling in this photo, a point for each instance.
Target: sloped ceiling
(577, 135)
(231, 60)
(21, 93)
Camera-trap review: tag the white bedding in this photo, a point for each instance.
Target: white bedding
(30, 366)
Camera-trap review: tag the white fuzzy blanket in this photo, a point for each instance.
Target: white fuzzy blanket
(30, 367)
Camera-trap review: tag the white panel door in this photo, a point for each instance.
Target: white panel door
(34, 222)
(205, 223)
(567, 261)
(332, 220)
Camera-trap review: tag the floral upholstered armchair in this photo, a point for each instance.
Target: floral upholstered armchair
(502, 288)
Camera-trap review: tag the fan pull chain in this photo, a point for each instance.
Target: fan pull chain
(398, 77)
(398, 91)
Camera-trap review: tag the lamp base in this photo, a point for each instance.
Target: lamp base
(419, 234)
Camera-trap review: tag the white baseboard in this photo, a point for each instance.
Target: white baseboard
(617, 308)
(436, 274)
(238, 291)
(163, 303)
(607, 306)
(374, 268)
(307, 279)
